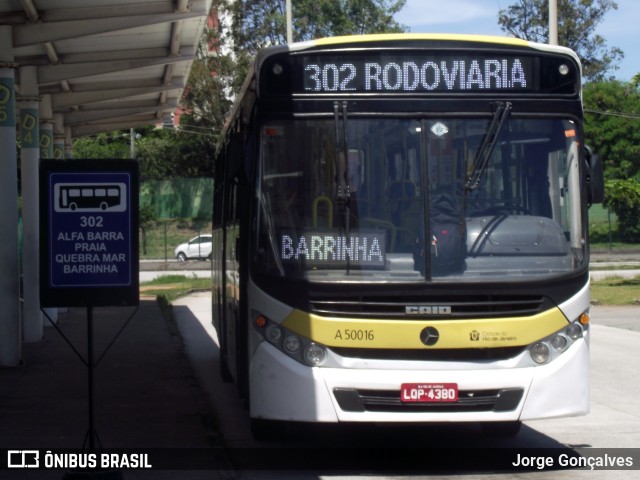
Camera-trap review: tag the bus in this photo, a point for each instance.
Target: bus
(400, 233)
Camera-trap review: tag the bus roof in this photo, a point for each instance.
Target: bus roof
(397, 37)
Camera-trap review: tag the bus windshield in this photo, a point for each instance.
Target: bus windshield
(419, 199)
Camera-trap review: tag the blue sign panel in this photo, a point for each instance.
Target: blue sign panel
(89, 233)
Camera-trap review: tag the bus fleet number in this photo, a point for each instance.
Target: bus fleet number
(354, 335)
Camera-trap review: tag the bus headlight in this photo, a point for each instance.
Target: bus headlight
(292, 344)
(559, 343)
(540, 353)
(549, 348)
(296, 346)
(314, 354)
(574, 331)
(273, 333)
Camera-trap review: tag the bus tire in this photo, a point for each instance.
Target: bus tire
(501, 429)
(267, 430)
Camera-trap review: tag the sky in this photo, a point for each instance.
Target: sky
(619, 28)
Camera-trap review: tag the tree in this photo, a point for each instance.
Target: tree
(623, 197)
(612, 126)
(260, 23)
(577, 22)
(612, 129)
(103, 145)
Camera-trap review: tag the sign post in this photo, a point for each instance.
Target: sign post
(89, 242)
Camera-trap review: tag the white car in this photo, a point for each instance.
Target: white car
(198, 247)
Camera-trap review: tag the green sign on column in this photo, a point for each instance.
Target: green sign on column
(46, 143)
(29, 132)
(7, 103)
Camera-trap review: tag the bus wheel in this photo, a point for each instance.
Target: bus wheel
(501, 429)
(267, 430)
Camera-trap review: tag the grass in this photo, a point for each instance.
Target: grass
(170, 287)
(610, 291)
(616, 291)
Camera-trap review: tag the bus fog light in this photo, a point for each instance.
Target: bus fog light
(559, 342)
(274, 333)
(540, 353)
(314, 354)
(574, 331)
(292, 344)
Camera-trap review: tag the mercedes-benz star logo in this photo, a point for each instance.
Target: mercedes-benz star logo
(429, 336)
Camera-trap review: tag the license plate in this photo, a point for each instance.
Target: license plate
(429, 392)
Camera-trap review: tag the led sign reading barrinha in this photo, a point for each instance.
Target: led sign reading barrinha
(332, 249)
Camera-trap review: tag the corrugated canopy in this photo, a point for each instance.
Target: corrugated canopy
(107, 64)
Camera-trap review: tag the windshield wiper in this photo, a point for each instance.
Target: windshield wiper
(342, 150)
(488, 144)
(343, 193)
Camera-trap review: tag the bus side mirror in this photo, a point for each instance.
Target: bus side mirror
(595, 178)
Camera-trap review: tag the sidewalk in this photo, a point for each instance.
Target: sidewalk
(145, 393)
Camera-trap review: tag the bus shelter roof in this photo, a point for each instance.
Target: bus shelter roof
(107, 64)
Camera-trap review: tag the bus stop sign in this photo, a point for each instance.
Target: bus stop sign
(89, 233)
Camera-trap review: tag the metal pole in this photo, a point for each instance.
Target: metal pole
(92, 430)
(132, 143)
(553, 22)
(165, 242)
(289, 23)
(10, 328)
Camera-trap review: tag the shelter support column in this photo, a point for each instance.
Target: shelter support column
(58, 136)
(30, 154)
(47, 151)
(68, 143)
(10, 326)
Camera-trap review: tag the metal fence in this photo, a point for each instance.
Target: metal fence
(182, 209)
(178, 198)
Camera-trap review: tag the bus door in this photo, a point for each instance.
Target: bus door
(231, 278)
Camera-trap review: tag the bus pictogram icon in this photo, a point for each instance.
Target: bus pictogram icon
(90, 197)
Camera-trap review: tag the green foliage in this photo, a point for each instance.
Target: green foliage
(623, 197)
(258, 23)
(168, 288)
(207, 96)
(103, 145)
(577, 22)
(161, 153)
(612, 126)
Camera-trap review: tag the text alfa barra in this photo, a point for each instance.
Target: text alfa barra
(89, 253)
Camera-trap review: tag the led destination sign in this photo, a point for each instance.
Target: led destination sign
(332, 249)
(417, 73)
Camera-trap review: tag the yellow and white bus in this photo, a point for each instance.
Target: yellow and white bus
(400, 233)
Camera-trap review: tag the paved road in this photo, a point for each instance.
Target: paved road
(614, 421)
